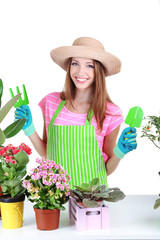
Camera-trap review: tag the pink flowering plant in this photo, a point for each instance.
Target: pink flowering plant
(47, 185)
(13, 161)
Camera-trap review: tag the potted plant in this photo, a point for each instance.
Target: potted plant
(48, 187)
(16, 126)
(13, 161)
(151, 130)
(13, 128)
(86, 204)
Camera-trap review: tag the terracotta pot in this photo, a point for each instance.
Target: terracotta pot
(47, 219)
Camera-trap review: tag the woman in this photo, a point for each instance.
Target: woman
(81, 123)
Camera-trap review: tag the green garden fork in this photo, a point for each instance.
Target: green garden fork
(20, 102)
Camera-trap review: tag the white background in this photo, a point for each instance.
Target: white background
(130, 29)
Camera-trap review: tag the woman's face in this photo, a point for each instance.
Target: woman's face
(82, 72)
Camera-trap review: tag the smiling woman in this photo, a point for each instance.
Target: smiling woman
(81, 123)
(124, 27)
(82, 73)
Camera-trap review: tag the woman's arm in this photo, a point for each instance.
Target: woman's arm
(40, 144)
(108, 147)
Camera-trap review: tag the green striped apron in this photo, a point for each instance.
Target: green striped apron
(76, 149)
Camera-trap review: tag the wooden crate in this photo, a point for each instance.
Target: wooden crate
(88, 218)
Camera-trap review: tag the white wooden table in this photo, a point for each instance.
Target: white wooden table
(131, 218)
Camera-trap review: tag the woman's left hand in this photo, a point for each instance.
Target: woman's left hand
(126, 143)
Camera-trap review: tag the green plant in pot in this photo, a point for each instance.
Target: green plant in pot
(8, 132)
(91, 193)
(47, 186)
(151, 130)
(13, 161)
(16, 126)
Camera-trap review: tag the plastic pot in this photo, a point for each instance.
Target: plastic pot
(47, 219)
(0, 203)
(12, 211)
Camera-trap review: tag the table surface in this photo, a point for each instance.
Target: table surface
(131, 218)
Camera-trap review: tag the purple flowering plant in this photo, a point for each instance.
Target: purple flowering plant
(47, 185)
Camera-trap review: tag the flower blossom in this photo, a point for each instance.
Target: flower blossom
(47, 181)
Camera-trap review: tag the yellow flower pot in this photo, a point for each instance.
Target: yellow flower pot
(0, 203)
(0, 209)
(12, 212)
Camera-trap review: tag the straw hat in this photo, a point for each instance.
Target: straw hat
(87, 48)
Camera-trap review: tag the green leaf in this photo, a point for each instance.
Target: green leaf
(13, 169)
(22, 158)
(56, 205)
(1, 91)
(8, 106)
(76, 194)
(18, 189)
(157, 203)
(20, 174)
(2, 179)
(62, 208)
(40, 184)
(42, 205)
(42, 194)
(4, 188)
(12, 193)
(94, 181)
(84, 185)
(2, 137)
(78, 188)
(51, 207)
(93, 188)
(115, 196)
(6, 169)
(101, 195)
(12, 183)
(101, 188)
(14, 128)
(90, 203)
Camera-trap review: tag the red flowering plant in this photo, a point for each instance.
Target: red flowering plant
(13, 161)
(47, 185)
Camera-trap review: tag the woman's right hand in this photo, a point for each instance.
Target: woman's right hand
(126, 143)
(25, 112)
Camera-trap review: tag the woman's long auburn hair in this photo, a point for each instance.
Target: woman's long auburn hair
(99, 97)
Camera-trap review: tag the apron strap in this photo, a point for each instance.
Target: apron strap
(58, 110)
(89, 117)
(62, 103)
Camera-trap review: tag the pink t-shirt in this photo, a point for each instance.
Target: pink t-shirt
(113, 118)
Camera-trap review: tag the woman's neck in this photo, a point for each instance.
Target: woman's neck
(82, 96)
(81, 103)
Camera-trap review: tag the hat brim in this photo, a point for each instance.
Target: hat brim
(110, 62)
